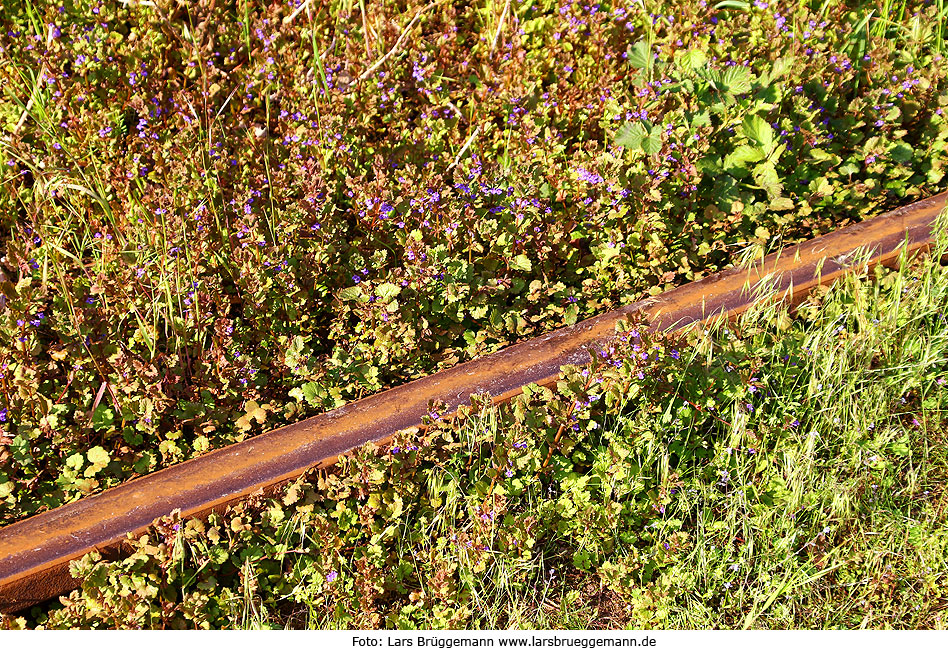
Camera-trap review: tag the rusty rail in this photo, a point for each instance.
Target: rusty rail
(35, 553)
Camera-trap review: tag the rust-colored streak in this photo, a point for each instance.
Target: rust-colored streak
(34, 553)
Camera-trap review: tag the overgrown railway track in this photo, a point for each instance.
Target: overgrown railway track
(35, 553)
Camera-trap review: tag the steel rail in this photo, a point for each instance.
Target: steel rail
(35, 553)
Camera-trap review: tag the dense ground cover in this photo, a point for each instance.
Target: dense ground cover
(218, 216)
(777, 472)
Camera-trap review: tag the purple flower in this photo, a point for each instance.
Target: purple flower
(3, 414)
(589, 177)
(331, 577)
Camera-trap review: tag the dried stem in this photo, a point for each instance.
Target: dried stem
(398, 43)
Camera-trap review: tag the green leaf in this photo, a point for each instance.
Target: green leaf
(901, 447)
(781, 66)
(217, 555)
(734, 79)
(98, 459)
(652, 144)
(144, 463)
(848, 169)
(293, 351)
(312, 394)
(640, 56)
(766, 177)
(742, 155)
(102, 418)
(692, 59)
(629, 135)
(759, 131)
(352, 294)
(521, 262)
(701, 119)
(641, 136)
(902, 153)
(132, 437)
(818, 154)
(605, 253)
(387, 291)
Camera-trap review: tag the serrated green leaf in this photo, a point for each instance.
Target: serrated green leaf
(629, 136)
(353, 293)
(521, 262)
(742, 155)
(759, 130)
(386, 291)
(692, 59)
(700, 119)
(312, 394)
(642, 136)
(733, 79)
(293, 351)
(640, 56)
(652, 144)
(780, 67)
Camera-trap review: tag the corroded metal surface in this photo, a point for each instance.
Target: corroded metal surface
(35, 553)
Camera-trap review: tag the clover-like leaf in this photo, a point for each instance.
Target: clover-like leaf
(98, 459)
(252, 411)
